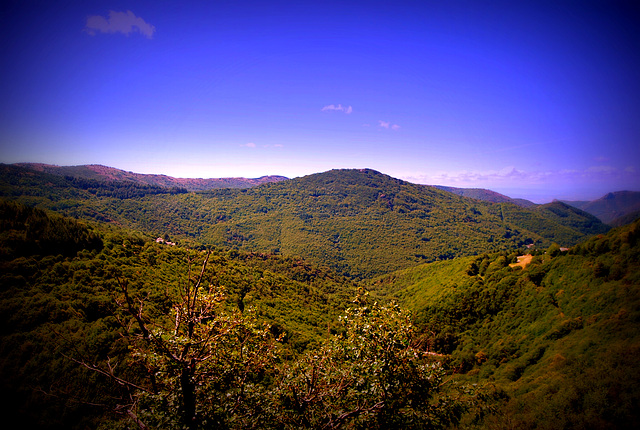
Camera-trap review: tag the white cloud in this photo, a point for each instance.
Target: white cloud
(388, 125)
(601, 169)
(339, 108)
(510, 176)
(486, 178)
(118, 22)
(593, 181)
(249, 145)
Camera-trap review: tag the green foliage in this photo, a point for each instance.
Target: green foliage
(572, 217)
(206, 366)
(55, 304)
(359, 223)
(26, 231)
(557, 336)
(209, 368)
(373, 375)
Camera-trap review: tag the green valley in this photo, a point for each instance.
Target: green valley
(348, 220)
(344, 299)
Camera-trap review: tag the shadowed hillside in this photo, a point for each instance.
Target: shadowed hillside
(611, 206)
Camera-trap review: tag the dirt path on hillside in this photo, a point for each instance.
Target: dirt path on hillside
(523, 260)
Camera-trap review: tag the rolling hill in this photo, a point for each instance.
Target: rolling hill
(486, 195)
(555, 341)
(560, 335)
(59, 278)
(104, 173)
(358, 222)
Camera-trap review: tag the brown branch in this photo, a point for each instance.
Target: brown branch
(354, 413)
(136, 420)
(109, 373)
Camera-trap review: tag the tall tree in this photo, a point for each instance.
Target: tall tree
(203, 362)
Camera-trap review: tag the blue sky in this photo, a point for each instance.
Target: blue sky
(539, 100)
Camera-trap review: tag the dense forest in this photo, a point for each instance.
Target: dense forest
(73, 325)
(347, 299)
(559, 335)
(345, 219)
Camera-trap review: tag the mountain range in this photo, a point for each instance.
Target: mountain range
(548, 341)
(620, 204)
(346, 219)
(104, 173)
(612, 208)
(486, 195)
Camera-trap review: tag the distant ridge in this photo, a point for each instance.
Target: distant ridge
(612, 206)
(486, 195)
(105, 173)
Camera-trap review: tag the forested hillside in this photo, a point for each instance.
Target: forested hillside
(486, 195)
(60, 290)
(110, 174)
(127, 331)
(62, 193)
(358, 222)
(560, 336)
(102, 324)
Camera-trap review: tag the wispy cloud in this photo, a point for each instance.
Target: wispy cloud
(388, 125)
(597, 179)
(267, 146)
(339, 108)
(484, 178)
(119, 22)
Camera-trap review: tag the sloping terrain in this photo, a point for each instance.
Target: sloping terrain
(625, 219)
(59, 278)
(486, 195)
(560, 337)
(104, 173)
(574, 218)
(557, 339)
(358, 222)
(611, 206)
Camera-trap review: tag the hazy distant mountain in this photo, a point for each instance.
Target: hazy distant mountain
(571, 216)
(486, 195)
(612, 206)
(104, 173)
